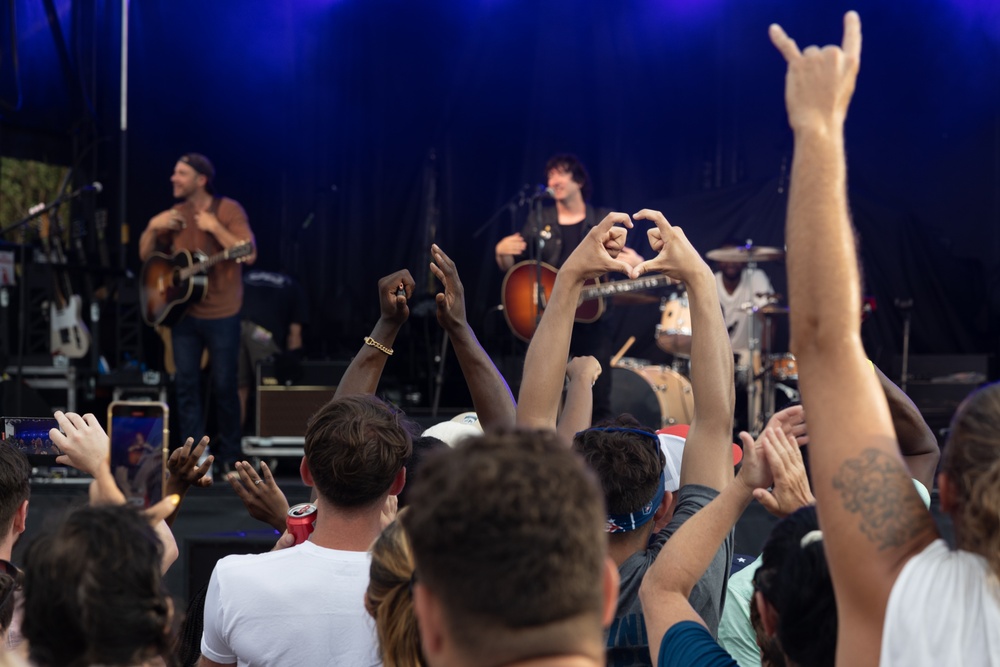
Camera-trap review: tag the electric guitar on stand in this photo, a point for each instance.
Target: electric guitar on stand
(523, 301)
(70, 336)
(170, 283)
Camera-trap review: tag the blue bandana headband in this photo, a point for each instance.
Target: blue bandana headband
(623, 523)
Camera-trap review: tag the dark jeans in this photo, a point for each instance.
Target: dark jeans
(222, 338)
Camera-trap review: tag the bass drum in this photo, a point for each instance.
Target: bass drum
(655, 395)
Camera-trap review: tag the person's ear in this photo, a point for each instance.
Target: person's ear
(430, 621)
(398, 483)
(305, 473)
(20, 518)
(664, 513)
(947, 493)
(768, 614)
(611, 580)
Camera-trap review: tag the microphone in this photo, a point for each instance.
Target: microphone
(91, 187)
(543, 192)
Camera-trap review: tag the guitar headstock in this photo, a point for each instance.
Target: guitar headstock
(240, 252)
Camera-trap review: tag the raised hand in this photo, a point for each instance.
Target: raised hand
(583, 369)
(792, 421)
(791, 485)
(675, 256)
(260, 493)
(82, 441)
(451, 302)
(183, 470)
(393, 291)
(820, 82)
(597, 252)
(755, 472)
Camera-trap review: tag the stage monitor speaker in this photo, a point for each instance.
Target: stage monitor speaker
(284, 408)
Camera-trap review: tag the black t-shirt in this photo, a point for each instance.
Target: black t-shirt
(571, 237)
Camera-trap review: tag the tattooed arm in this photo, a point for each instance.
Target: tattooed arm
(873, 520)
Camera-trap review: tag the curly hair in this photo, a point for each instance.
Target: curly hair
(93, 593)
(354, 447)
(972, 462)
(389, 600)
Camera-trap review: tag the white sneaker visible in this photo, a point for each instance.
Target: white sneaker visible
(201, 459)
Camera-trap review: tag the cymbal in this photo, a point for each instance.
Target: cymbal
(742, 254)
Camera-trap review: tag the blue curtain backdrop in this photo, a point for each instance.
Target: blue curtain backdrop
(325, 119)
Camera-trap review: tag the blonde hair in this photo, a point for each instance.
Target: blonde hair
(390, 601)
(972, 463)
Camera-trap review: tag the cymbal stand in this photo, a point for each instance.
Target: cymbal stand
(754, 418)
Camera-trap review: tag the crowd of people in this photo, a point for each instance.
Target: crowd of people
(540, 538)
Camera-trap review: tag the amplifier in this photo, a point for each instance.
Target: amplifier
(284, 408)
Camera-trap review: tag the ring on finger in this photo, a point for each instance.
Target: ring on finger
(257, 481)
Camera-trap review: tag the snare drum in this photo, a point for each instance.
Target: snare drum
(655, 395)
(783, 367)
(673, 333)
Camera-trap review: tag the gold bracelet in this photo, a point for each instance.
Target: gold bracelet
(377, 345)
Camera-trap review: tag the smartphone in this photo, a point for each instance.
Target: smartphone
(139, 446)
(31, 436)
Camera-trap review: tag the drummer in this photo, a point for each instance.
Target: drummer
(741, 291)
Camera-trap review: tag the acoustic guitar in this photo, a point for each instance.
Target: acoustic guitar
(171, 283)
(523, 301)
(70, 336)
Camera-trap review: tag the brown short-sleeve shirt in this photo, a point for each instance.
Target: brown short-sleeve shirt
(225, 280)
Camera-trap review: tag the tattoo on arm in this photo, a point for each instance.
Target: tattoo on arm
(875, 486)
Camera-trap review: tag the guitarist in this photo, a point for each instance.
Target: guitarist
(562, 228)
(205, 222)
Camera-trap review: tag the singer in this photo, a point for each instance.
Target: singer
(205, 222)
(550, 235)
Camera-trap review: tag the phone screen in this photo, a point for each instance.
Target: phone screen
(138, 431)
(31, 436)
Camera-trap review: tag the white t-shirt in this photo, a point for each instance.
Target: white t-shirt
(944, 609)
(298, 606)
(734, 305)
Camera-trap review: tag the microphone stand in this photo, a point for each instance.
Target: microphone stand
(510, 205)
(542, 235)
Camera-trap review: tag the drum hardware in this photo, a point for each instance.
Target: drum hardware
(673, 333)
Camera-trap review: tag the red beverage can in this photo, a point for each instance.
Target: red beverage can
(301, 520)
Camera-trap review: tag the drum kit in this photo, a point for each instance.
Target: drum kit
(660, 395)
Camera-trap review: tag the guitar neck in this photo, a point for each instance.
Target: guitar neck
(204, 265)
(622, 286)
